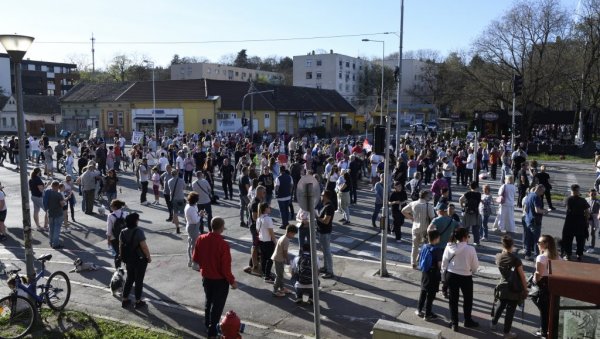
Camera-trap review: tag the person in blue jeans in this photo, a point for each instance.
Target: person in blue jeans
(54, 201)
(533, 207)
(485, 211)
(378, 200)
(324, 227)
(283, 192)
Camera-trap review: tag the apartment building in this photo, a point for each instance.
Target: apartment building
(211, 71)
(39, 77)
(329, 71)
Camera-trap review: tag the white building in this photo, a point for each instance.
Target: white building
(329, 71)
(206, 70)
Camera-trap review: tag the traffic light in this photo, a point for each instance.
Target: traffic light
(244, 122)
(517, 85)
(379, 142)
(365, 125)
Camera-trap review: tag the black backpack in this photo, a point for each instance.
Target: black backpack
(128, 249)
(472, 204)
(118, 225)
(305, 269)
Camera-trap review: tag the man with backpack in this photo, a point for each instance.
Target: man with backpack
(302, 273)
(115, 223)
(470, 203)
(421, 213)
(430, 262)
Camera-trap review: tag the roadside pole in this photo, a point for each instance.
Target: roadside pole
(308, 194)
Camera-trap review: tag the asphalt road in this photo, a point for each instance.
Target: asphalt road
(351, 303)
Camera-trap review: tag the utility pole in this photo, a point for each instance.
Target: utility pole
(93, 55)
(399, 80)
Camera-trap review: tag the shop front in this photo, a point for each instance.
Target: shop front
(168, 121)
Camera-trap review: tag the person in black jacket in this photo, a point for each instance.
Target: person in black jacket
(398, 200)
(133, 240)
(227, 178)
(355, 167)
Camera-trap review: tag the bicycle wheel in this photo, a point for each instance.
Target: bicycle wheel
(17, 315)
(58, 291)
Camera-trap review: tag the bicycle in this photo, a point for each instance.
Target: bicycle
(20, 308)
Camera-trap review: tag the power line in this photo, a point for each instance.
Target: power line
(207, 41)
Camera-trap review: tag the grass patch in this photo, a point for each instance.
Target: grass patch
(557, 157)
(557, 197)
(73, 325)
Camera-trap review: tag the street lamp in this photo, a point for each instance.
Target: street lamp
(399, 75)
(16, 46)
(151, 64)
(386, 182)
(382, 66)
(251, 92)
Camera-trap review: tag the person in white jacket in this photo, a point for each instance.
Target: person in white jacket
(460, 262)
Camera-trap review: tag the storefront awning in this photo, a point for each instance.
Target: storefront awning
(159, 120)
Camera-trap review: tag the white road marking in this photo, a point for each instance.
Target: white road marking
(359, 295)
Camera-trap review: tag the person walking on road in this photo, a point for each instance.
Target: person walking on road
(283, 193)
(226, 171)
(164, 181)
(575, 225)
(144, 174)
(378, 188)
(213, 256)
(54, 202)
(470, 202)
(506, 200)
(592, 200)
(533, 212)
(193, 225)
(421, 213)
(324, 228)
(176, 188)
(133, 240)
(460, 260)
(87, 180)
(202, 187)
(244, 187)
(36, 188)
(115, 223)
(267, 240)
(543, 178)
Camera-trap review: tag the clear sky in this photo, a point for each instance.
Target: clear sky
(443, 25)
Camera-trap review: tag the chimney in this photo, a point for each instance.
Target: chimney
(330, 51)
(313, 52)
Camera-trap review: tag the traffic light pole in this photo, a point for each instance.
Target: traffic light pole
(512, 135)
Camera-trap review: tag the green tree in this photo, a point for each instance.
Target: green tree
(242, 59)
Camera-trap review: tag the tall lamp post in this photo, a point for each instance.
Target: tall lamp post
(251, 93)
(151, 64)
(16, 46)
(386, 182)
(399, 76)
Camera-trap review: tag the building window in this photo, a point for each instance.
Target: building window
(3, 122)
(233, 115)
(38, 67)
(50, 92)
(267, 116)
(120, 119)
(347, 63)
(318, 75)
(111, 119)
(243, 75)
(237, 74)
(12, 122)
(340, 63)
(347, 88)
(339, 75)
(340, 87)
(319, 62)
(319, 86)
(308, 75)
(308, 62)
(51, 69)
(353, 77)
(353, 66)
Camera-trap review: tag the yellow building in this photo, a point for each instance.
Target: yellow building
(179, 106)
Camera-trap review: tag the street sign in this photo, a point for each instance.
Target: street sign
(93, 133)
(301, 192)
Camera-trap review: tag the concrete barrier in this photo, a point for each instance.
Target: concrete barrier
(385, 329)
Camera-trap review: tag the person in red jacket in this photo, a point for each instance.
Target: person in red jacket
(213, 255)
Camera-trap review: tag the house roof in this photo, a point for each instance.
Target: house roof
(90, 92)
(41, 104)
(165, 90)
(285, 98)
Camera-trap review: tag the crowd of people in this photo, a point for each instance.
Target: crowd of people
(424, 172)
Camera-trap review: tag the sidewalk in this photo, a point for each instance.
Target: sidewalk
(350, 304)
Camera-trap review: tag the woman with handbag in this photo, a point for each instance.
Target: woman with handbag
(506, 201)
(458, 264)
(547, 246)
(512, 288)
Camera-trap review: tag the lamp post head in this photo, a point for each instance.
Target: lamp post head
(366, 40)
(16, 45)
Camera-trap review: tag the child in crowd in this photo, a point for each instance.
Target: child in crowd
(156, 184)
(280, 258)
(301, 268)
(431, 276)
